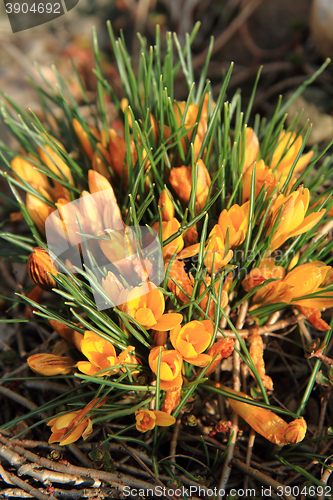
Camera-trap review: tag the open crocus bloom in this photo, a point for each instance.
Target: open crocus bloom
(69, 427)
(236, 219)
(216, 256)
(292, 220)
(170, 368)
(147, 419)
(148, 308)
(266, 270)
(192, 339)
(286, 152)
(100, 352)
(301, 281)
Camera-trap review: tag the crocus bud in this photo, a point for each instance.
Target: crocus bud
(190, 236)
(168, 229)
(40, 267)
(99, 184)
(168, 211)
(171, 400)
(105, 152)
(38, 209)
(117, 148)
(54, 161)
(68, 333)
(50, 364)
(124, 107)
(115, 289)
(35, 295)
(265, 422)
(99, 165)
(294, 261)
(91, 213)
(220, 350)
(295, 431)
(84, 138)
(252, 148)
(27, 171)
(236, 219)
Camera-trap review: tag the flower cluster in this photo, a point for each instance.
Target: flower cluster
(211, 193)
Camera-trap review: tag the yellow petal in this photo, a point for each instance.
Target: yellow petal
(87, 368)
(164, 419)
(308, 223)
(88, 430)
(199, 360)
(168, 321)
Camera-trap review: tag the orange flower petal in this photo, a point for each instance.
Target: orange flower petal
(168, 321)
(145, 317)
(87, 368)
(75, 434)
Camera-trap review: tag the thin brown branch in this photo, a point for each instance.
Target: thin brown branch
(46, 476)
(324, 478)
(116, 479)
(249, 451)
(134, 454)
(237, 385)
(260, 477)
(21, 400)
(25, 486)
(279, 325)
(80, 456)
(323, 409)
(173, 444)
